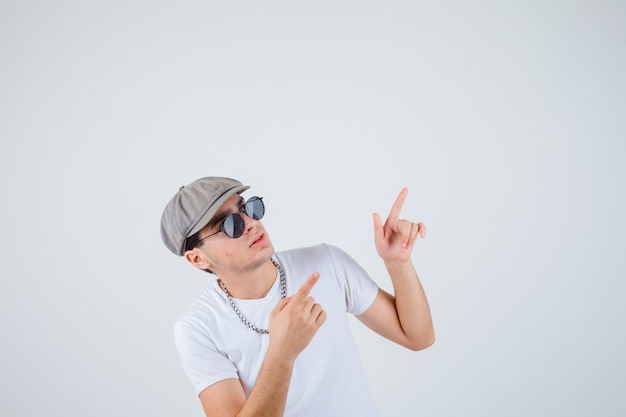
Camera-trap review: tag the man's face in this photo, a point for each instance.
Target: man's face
(227, 255)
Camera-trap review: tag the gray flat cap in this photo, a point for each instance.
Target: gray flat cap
(192, 207)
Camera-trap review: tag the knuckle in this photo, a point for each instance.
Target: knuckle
(322, 317)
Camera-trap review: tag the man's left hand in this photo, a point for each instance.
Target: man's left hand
(395, 238)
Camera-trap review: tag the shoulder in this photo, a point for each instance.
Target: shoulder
(319, 250)
(316, 255)
(323, 258)
(201, 313)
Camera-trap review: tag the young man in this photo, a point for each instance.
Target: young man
(270, 336)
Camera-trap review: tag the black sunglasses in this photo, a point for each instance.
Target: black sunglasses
(233, 224)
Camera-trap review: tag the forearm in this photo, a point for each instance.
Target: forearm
(411, 304)
(269, 395)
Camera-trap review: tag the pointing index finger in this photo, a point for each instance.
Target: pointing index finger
(305, 289)
(394, 214)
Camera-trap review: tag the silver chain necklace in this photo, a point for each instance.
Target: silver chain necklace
(283, 294)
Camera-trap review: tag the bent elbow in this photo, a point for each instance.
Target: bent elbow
(421, 344)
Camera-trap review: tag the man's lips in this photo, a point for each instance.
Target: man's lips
(257, 240)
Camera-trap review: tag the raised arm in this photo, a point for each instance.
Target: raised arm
(293, 323)
(405, 316)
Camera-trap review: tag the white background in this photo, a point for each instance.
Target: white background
(506, 120)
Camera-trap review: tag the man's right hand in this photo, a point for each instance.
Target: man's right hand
(293, 323)
(295, 320)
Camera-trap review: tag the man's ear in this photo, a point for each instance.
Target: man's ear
(198, 259)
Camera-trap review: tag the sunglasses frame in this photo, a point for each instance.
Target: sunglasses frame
(243, 209)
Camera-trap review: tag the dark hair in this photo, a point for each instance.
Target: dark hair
(194, 241)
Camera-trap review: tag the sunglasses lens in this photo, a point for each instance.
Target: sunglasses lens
(233, 226)
(255, 209)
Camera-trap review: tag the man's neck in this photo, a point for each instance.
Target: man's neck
(250, 284)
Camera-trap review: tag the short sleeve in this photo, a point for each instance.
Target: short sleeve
(202, 361)
(358, 287)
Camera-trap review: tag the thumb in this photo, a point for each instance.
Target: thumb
(378, 226)
(282, 303)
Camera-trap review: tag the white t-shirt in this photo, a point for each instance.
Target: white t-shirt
(328, 378)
